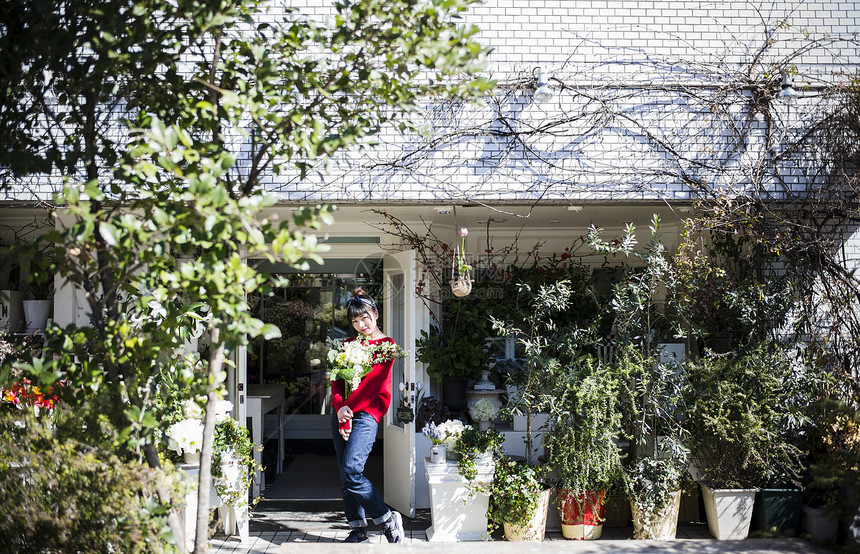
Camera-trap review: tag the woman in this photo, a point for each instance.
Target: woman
(354, 425)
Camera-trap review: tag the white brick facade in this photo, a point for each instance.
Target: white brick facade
(651, 98)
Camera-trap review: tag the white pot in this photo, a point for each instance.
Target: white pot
(818, 525)
(231, 474)
(729, 512)
(535, 530)
(36, 314)
(191, 457)
(438, 454)
(660, 526)
(457, 511)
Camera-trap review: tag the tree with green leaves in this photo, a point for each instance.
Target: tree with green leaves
(142, 110)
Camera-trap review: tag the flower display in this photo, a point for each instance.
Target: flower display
(186, 436)
(23, 394)
(354, 359)
(432, 432)
(460, 263)
(483, 410)
(449, 432)
(328, 313)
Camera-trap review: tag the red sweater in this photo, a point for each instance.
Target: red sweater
(373, 394)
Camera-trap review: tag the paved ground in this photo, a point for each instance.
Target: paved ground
(317, 526)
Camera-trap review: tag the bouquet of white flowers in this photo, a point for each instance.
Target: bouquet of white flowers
(186, 436)
(352, 360)
(450, 432)
(483, 410)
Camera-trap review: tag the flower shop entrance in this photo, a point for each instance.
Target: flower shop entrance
(309, 308)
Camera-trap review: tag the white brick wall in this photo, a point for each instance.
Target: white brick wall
(633, 151)
(609, 139)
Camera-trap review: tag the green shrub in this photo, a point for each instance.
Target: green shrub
(65, 496)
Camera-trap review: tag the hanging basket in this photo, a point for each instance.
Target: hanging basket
(461, 285)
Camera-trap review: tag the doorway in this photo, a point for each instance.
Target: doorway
(309, 308)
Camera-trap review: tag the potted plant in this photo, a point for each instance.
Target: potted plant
(737, 409)
(519, 500)
(657, 459)
(654, 486)
(233, 470)
(438, 451)
(461, 277)
(456, 351)
(37, 266)
(459, 490)
(476, 447)
(581, 444)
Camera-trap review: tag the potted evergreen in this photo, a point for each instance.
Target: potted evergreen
(581, 444)
(737, 408)
(656, 467)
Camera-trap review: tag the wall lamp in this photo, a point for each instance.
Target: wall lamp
(542, 92)
(787, 85)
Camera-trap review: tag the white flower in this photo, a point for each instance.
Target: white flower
(222, 410)
(483, 410)
(192, 409)
(186, 436)
(450, 432)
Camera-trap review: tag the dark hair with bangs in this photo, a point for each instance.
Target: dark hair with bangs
(359, 305)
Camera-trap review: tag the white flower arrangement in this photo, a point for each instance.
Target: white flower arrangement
(483, 410)
(449, 432)
(186, 436)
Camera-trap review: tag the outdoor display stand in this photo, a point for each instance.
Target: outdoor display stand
(457, 511)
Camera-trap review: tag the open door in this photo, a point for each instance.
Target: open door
(399, 323)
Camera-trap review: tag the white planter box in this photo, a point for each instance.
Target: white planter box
(729, 512)
(457, 512)
(817, 525)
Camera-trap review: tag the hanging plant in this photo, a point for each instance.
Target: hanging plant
(461, 277)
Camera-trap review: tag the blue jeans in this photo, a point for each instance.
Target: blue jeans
(360, 497)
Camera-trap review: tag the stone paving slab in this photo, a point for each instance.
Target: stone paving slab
(756, 546)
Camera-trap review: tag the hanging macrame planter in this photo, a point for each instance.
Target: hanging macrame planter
(461, 276)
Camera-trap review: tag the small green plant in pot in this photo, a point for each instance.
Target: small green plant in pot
(519, 499)
(233, 465)
(456, 351)
(654, 486)
(473, 446)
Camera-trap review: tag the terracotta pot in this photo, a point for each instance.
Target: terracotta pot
(582, 513)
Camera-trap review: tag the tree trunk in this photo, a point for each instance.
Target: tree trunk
(216, 362)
